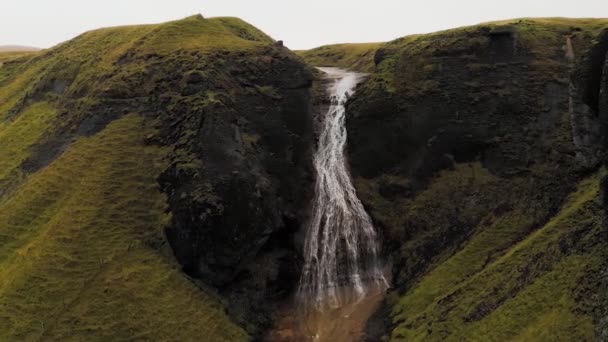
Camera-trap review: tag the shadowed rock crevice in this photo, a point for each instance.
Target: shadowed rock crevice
(503, 42)
(590, 72)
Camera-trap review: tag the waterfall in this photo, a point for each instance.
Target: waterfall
(341, 246)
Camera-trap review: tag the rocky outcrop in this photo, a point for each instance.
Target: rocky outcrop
(240, 178)
(462, 144)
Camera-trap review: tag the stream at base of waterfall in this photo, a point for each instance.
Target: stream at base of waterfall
(342, 281)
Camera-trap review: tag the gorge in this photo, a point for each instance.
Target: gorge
(193, 180)
(341, 246)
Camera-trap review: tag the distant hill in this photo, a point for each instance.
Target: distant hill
(359, 56)
(10, 52)
(17, 48)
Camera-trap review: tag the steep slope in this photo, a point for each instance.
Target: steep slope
(198, 130)
(358, 56)
(467, 147)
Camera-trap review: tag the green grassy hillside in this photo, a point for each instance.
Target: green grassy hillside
(359, 57)
(82, 249)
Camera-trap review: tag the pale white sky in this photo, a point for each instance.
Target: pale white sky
(300, 23)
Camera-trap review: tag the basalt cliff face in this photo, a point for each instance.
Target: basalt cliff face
(155, 180)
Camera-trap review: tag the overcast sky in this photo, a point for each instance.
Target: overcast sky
(301, 23)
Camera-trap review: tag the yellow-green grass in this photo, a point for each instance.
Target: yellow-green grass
(530, 32)
(359, 57)
(17, 136)
(205, 35)
(79, 251)
(526, 293)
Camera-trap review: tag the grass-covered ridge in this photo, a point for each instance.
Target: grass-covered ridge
(83, 254)
(355, 56)
(542, 38)
(101, 65)
(94, 56)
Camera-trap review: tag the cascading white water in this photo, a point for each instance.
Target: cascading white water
(340, 250)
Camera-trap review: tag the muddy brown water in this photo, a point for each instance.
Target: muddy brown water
(343, 324)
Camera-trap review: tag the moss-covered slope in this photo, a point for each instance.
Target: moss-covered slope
(476, 151)
(199, 127)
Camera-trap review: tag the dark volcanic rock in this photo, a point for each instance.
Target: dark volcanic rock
(241, 177)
